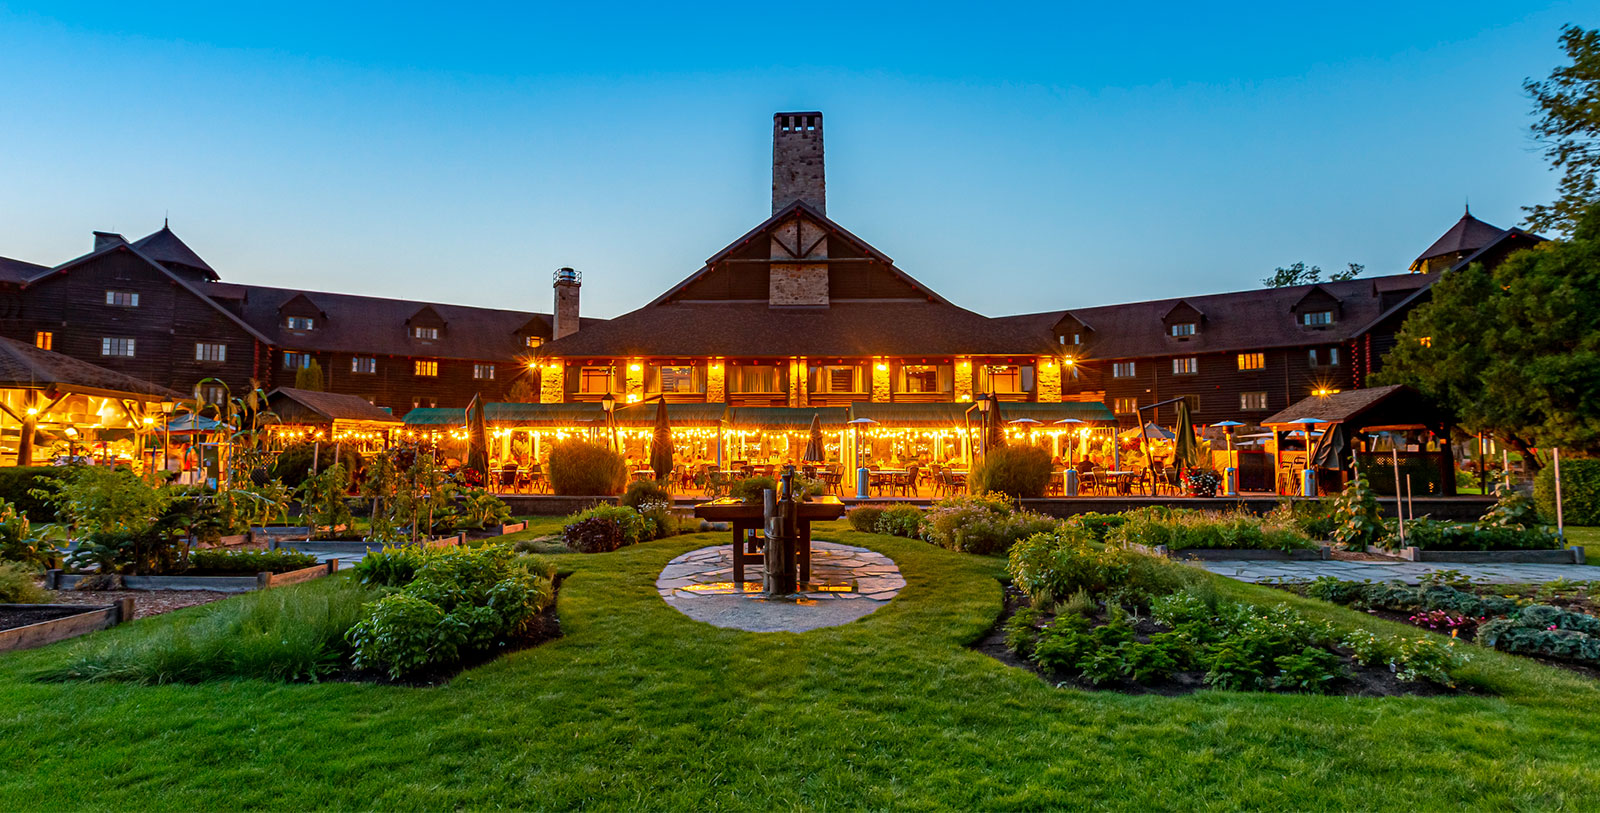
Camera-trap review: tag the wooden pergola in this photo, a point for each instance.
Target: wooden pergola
(44, 391)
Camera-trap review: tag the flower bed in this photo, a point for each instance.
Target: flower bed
(1113, 618)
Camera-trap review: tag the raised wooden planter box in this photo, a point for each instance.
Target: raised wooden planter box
(56, 580)
(498, 530)
(1237, 554)
(81, 621)
(1562, 556)
(356, 546)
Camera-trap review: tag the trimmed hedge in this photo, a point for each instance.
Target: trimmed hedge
(1580, 492)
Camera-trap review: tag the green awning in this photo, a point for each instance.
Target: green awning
(555, 416)
(1049, 413)
(786, 419)
(436, 416)
(938, 414)
(687, 415)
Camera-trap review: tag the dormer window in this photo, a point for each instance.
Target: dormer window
(535, 341)
(428, 333)
(300, 323)
(1316, 318)
(1182, 329)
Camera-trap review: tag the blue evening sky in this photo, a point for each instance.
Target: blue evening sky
(1013, 158)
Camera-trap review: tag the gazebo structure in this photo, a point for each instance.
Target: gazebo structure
(72, 408)
(306, 415)
(1392, 432)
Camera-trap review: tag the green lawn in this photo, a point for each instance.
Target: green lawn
(1589, 538)
(640, 707)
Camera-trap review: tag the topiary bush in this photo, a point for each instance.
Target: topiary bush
(1016, 471)
(581, 469)
(1580, 491)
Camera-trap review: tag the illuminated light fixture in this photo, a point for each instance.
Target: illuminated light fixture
(633, 368)
(1069, 361)
(533, 365)
(633, 397)
(882, 367)
(965, 397)
(33, 410)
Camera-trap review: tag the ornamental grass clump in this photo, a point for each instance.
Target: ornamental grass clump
(579, 468)
(1018, 471)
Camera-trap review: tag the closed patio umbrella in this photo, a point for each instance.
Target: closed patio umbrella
(661, 443)
(814, 452)
(477, 440)
(1186, 451)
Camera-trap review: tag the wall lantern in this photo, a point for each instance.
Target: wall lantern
(609, 402)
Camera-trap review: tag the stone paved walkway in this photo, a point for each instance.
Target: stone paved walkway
(1408, 572)
(846, 583)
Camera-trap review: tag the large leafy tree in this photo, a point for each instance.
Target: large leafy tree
(1514, 352)
(1299, 274)
(1568, 106)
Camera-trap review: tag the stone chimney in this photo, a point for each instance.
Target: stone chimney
(107, 238)
(567, 283)
(797, 172)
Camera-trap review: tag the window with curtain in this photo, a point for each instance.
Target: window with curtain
(598, 381)
(669, 378)
(925, 378)
(758, 378)
(837, 378)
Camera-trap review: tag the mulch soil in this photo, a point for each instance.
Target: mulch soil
(1362, 681)
(145, 602)
(13, 617)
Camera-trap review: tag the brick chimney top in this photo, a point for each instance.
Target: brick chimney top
(797, 168)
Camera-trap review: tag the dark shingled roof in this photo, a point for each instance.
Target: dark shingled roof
(19, 271)
(377, 326)
(1468, 234)
(744, 329)
(1342, 406)
(23, 366)
(1241, 320)
(165, 247)
(331, 405)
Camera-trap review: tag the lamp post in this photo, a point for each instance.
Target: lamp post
(167, 408)
(609, 404)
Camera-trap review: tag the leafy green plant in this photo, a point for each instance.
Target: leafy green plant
(1368, 649)
(1022, 631)
(1358, 522)
(1580, 491)
(390, 567)
(148, 550)
(1180, 529)
(1098, 524)
(1017, 471)
(293, 465)
(604, 528)
(580, 468)
(864, 518)
(480, 509)
(249, 561)
(20, 542)
(322, 502)
(1311, 670)
(17, 585)
(640, 492)
(92, 500)
(981, 523)
(1081, 602)
(1511, 509)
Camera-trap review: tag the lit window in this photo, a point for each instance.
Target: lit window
(427, 368)
(1123, 369)
(483, 371)
(123, 299)
(425, 333)
(1189, 365)
(296, 361)
(596, 380)
(300, 323)
(673, 378)
(116, 347)
(1005, 379)
(535, 341)
(1425, 341)
(836, 379)
(44, 340)
(1183, 329)
(364, 365)
(1316, 318)
(1252, 361)
(207, 351)
(1253, 400)
(927, 378)
(757, 378)
(1125, 406)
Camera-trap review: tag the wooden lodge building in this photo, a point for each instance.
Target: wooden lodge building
(799, 313)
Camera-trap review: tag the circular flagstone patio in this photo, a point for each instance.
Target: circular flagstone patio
(846, 583)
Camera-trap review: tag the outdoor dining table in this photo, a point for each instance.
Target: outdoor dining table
(747, 517)
(1123, 479)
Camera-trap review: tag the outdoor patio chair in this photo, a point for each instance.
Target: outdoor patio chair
(507, 480)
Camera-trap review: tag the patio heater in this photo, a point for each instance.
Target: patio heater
(1230, 474)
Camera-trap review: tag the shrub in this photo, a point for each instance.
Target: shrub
(148, 550)
(983, 524)
(17, 585)
(1357, 522)
(1179, 529)
(390, 567)
(864, 518)
(17, 484)
(645, 491)
(603, 528)
(20, 543)
(901, 520)
(1431, 534)
(461, 601)
(295, 633)
(1018, 471)
(93, 499)
(249, 561)
(293, 465)
(1098, 524)
(1580, 492)
(480, 509)
(580, 468)
(749, 490)
(657, 520)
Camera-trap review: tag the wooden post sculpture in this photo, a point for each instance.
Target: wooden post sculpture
(782, 514)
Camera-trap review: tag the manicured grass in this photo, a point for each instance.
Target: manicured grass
(640, 707)
(1589, 538)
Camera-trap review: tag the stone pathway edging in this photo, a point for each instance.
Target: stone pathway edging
(699, 584)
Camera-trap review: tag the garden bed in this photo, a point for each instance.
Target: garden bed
(493, 531)
(1243, 554)
(1559, 556)
(217, 582)
(357, 545)
(1358, 680)
(25, 626)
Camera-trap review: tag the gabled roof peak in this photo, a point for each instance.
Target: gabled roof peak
(1467, 235)
(166, 248)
